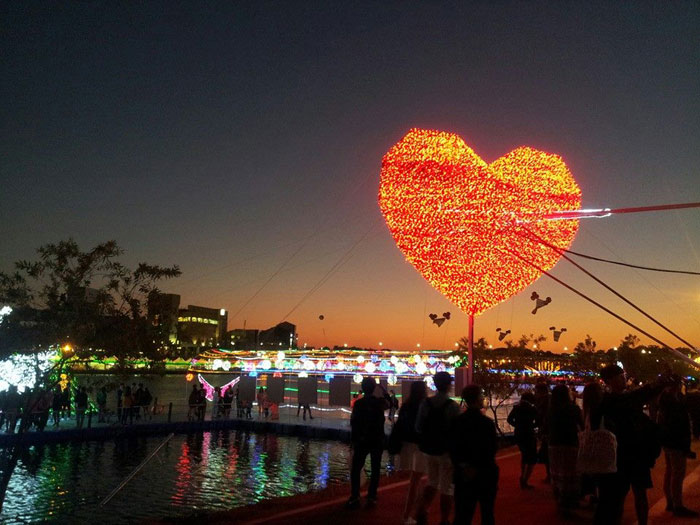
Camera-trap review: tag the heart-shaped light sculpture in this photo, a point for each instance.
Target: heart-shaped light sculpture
(470, 228)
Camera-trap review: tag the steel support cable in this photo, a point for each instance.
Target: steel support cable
(606, 212)
(343, 259)
(678, 354)
(599, 259)
(347, 197)
(286, 262)
(301, 264)
(585, 256)
(537, 238)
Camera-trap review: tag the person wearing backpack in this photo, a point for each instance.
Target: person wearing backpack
(473, 445)
(433, 423)
(637, 447)
(367, 435)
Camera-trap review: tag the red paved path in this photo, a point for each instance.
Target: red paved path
(513, 506)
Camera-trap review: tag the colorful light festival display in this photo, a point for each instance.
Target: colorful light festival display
(458, 220)
(394, 366)
(324, 363)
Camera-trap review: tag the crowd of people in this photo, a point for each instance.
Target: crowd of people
(39, 406)
(224, 401)
(593, 453)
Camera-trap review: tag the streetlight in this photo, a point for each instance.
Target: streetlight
(67, 350)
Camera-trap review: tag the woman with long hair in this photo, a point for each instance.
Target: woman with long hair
(565, 422)
(411, 458)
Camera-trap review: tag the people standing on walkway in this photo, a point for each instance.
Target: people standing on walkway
(193, 404)
(435, 417)
(637, 448)
(592, 398)
(42, 408)
(81, 404)
(201, 404)
(473, 445)
(239, 403)
(56, 404)
(266, 405)
(411, 459)
(216, 403)
(393, 405)
(148, 408)
(674, 419)
(228, 401)
(13, 403)
(354, 399)
(138, 401)
(565, 422)
(306, 407)
(259, 398)
(367, 435)
(523, 419)
(127, 406)
(542, 399)
(101, 399)
(66, 401)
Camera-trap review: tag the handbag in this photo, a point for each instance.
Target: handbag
(597, 450)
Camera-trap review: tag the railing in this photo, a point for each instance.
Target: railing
(289, 412)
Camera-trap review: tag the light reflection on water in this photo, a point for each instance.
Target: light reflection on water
(195, 472)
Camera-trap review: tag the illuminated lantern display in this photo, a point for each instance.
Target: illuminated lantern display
(460, 221)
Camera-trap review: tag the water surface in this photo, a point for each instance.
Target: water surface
(190, 474)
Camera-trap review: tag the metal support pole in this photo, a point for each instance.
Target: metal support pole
(170, 411)
(470, 367)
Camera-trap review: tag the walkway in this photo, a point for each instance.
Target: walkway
(513, 504)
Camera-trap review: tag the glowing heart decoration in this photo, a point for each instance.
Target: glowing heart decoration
(460, 221)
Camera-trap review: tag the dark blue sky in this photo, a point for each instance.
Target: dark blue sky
(226, 137)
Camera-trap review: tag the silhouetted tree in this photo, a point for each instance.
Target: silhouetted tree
(86, 298)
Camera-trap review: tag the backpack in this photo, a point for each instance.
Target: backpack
(434, 436)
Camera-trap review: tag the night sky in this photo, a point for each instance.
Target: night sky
(243, 141)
